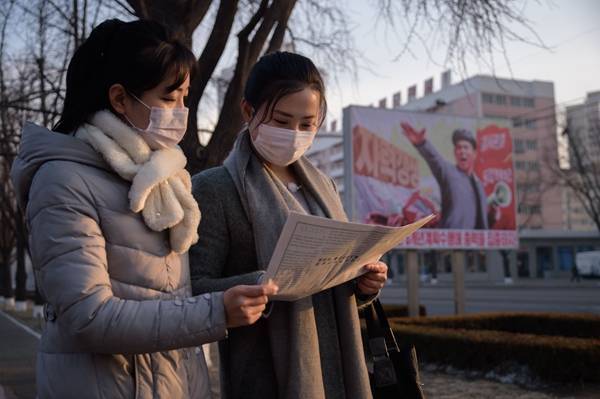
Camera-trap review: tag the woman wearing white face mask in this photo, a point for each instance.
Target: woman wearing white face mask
(165, 127)
(310, 348)
(111, 217)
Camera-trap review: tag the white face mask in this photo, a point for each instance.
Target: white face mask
(166, 128)
(281, 146)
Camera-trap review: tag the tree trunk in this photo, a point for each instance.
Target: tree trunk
(180, 17)
(230, 119)
(207, 62)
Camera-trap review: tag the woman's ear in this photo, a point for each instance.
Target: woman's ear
(117, 95)
(247, 110)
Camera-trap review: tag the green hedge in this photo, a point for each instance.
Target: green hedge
(546, 324)
(552, 358)
(394, 311)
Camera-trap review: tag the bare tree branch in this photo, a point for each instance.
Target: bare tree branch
(207, 62)
(280, 30)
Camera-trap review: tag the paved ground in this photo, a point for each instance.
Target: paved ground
(18, 347)
(523, 295)
(17, 360)
(458, 386)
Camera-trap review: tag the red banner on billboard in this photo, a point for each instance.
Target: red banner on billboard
(494, 164)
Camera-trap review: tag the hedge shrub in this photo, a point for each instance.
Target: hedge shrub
(570, 353)
(394, 311)
(547, 324)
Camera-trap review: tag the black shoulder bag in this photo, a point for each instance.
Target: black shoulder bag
(395, 371)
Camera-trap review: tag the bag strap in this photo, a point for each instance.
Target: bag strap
(390, 338)
(375, 333)
(380, 345)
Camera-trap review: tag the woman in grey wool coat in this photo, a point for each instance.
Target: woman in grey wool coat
(111, 216)
(310, 348)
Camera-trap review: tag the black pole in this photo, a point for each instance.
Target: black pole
(505, 262)
(21, 275)
(6, 289)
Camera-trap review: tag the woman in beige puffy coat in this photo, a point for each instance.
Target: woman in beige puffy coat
(111, 216)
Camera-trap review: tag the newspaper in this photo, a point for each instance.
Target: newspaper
(315, 253)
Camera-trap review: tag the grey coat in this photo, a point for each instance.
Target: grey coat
(226, 256)
(223, 258)
(464, 204)
(121, 319)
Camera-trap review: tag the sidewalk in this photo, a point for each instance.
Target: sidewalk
(17, 375)
(17, 360)
(447, 281)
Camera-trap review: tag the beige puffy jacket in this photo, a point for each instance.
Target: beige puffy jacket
(121, 319)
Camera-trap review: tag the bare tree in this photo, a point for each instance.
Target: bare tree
(320, 28)
(263, 31)
(468, 30)
(32, 75)
(7, 149)
(60, 27)
(582, 172)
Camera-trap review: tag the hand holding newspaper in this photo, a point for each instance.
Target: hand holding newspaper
(315, 253)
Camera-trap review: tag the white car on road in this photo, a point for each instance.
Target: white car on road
(588, 263)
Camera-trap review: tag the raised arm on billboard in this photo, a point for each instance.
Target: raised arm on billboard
(437, 163)
(416, 137)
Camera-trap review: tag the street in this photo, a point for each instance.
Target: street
(522, 296)
(17, 359)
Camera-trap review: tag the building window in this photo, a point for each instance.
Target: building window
(566, 258)
(524, 123)
(522, 146)
(534, 165)
(517, 121)
(487, 98)
(500, 99)
(525, 102)
(528, 102)
(338, 164)
(519, 146)
(528, 209)
(530, 166)
(525, 188)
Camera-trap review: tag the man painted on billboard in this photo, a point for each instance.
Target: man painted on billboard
(408, 164)
(464, 203)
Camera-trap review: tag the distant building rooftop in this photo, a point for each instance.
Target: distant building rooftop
(324, 140)
(482, 83)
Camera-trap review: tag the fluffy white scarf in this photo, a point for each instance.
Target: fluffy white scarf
(160, 185)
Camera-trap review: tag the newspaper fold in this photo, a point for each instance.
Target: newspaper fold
(315, 253)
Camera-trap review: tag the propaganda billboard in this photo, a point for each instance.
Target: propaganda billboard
(405, 165)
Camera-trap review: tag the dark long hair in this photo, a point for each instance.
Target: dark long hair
(139, 55)
(278, 74)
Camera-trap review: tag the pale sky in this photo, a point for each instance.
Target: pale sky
(571, 28)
